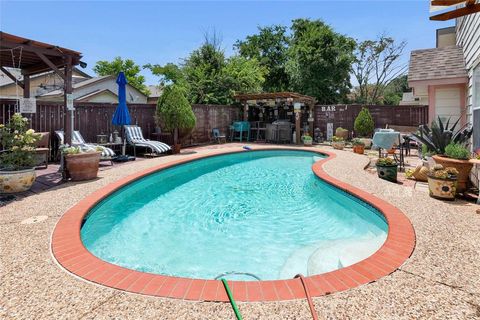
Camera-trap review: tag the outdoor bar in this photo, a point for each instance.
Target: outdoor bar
(278, 117)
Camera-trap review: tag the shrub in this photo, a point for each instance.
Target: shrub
(19, 144)
(386, 162)
(439, 135)
(358, 142)
(307, 137)
(457, 151)
(364, 124)
(174, 112)
(438, 171)
(337, 139)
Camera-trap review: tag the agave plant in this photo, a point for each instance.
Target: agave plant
(439, 135)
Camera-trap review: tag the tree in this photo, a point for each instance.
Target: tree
(244, 75)
(376, 65)
(128, 66)
(393, 92)
(364, 124)
(208, 77)
(270, 48)
(320, 61)
(174, 112)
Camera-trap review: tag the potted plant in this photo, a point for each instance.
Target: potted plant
(175, 113)
(364, 126)
(338, 143)
(387, 169)
(341, 133)
(441, 135)
(307, 140)
(358, 146)
(17, 161)
(442, 182)
(81, 164)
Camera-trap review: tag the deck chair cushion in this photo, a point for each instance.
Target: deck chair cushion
(135, 137)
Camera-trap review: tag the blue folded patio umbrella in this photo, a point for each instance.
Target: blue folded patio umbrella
(121, 116)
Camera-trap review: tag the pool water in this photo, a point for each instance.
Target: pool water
(258, 212)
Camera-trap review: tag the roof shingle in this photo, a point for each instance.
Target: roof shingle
(437, 63)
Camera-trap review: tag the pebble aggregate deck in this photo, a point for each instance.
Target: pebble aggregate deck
(440, 280)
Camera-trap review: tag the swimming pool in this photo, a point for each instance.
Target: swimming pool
(264, 213)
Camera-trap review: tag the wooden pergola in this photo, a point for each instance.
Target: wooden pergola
(276, 98)
(33, 57)
(468, 7)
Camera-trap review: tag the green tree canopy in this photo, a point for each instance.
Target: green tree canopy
(320, 61)
(393, 92)
(270, 48)
(208, 77)
(128, 66)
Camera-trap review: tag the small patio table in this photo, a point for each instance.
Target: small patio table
(386, 139)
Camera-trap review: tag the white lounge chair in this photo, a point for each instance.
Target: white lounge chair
(135, 138)
(78, 141)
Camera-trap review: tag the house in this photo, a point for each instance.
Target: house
(39, 84)
(155, 93)
(99, 89)
(447, 77)
(48, 86)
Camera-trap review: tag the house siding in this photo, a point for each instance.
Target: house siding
(468, 37)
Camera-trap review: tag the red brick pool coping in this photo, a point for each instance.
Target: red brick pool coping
(68, 249)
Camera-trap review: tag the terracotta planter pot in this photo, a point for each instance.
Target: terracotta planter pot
(342, 134)
(83, 166)
(338, 145)
(308, 143)
(463, 166)
(17, 181)
(388, 173)
(444, 189)
(367, 142)
(177, 148)
(359, 149)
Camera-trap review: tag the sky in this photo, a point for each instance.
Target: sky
(159, 32)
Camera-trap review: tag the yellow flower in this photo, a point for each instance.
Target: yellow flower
(30, 131)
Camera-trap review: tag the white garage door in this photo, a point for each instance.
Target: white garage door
(447, 103)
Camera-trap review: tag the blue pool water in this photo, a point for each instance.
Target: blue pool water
(261, 212)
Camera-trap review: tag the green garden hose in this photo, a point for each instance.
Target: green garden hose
(232, 301)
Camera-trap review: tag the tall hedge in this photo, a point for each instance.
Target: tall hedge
(174, 112)
(364, 124)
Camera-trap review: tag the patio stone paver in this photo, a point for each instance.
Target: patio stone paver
(439, 281)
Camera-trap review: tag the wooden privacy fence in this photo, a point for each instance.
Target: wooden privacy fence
(93, 119)
(344, 116)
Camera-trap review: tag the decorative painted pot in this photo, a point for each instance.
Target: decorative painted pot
(463, 166)
(359, 149)
(367, 142)
(308, 143)
(442, 188)
(16, 181)
(339, 145)
(388, 173)
(342, 133)
(83, 166)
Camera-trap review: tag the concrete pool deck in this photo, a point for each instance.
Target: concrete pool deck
(440, 280)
